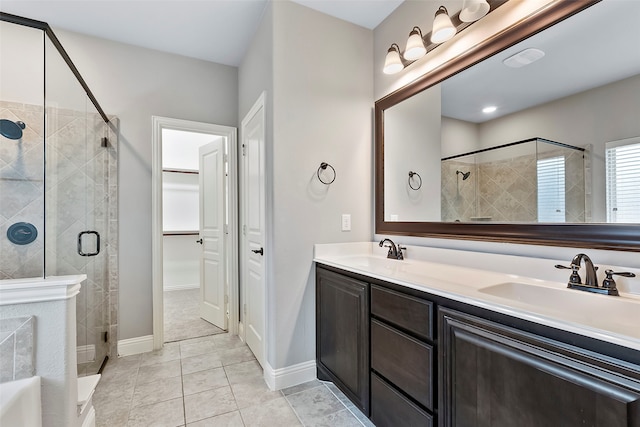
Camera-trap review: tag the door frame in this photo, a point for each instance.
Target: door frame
(260, 103)
(158, 124)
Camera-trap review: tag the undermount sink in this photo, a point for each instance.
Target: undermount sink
(597, 309)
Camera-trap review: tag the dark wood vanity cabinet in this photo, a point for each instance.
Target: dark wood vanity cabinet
(402, 359)
(494, 375)
(416, 359)
(342, 334)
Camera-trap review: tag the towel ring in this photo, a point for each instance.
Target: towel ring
(324, 166)
(411, 175)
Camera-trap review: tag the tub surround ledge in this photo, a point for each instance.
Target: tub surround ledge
(24, 291)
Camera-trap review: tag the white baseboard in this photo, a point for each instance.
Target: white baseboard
(241, 332)
(136, 345)
(181, 287)
(277, 379)
(86, 353)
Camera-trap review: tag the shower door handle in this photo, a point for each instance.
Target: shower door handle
(80, 251)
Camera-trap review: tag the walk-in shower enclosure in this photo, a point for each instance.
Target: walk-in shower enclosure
(535, 180)
(58, 181)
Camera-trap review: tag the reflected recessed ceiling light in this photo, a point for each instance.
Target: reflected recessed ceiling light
(523, 58)
(490, 109)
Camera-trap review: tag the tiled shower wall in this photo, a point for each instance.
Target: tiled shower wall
(21, 191)
(506, 190)
(81, 194)
(16, 348)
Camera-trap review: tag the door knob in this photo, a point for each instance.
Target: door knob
(199, 241)
(258, 251)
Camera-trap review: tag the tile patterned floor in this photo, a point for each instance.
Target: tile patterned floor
(212, 381)
(181, 316)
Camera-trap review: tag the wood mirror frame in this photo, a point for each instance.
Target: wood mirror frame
(594, 236)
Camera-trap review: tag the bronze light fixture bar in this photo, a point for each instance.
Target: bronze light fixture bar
(392, 66)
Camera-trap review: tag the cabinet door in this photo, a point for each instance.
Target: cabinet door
(342, 334)
(492, 375)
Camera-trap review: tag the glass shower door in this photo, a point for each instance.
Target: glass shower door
(75, 193)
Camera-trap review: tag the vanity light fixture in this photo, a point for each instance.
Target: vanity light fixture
(415, 45)
(393, 63)
(472, 10)
(443, 28)
(490, 109)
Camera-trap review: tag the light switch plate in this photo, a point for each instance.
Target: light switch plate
(346, 222)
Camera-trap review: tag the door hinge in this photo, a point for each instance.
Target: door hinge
(244, 310)
(226, 158)
(244, 230)
(244, 149)
(226, 229)
(226, 299)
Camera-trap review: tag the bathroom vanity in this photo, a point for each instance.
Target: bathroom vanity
(422, 343)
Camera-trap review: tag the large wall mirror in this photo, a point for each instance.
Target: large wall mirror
(555, 161)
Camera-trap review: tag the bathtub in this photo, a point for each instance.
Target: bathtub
(20, 403)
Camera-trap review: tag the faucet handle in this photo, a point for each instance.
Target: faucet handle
(609, 283)
(400, 249)
(575, 277)
(390, 253)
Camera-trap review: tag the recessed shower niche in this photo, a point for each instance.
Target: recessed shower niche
(58, 182)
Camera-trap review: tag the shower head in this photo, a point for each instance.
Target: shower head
(11, 130)
(465, 175)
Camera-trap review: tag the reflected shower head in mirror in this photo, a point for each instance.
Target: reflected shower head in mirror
(11, 130)
(465, 175)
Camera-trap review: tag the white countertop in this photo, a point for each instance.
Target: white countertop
(497, 288)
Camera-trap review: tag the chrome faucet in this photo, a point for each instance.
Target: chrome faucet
(395, 252)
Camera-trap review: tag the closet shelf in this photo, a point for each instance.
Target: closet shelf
(187, 171)
(181, 233)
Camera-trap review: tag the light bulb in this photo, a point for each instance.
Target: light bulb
(415, 45)
(443, 28)
(392, 62)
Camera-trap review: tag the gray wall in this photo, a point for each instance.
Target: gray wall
(322, 97)
(412, 142)
(134, 84)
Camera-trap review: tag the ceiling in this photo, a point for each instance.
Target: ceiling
(213, 30)
(576, 59)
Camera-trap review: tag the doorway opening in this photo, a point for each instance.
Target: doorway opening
(195, 279)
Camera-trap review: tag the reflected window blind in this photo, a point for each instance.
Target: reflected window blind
(623, 182)
(551, 196)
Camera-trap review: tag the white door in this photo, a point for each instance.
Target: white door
(253, 256)
(212, 220)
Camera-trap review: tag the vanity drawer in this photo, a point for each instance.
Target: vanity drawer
(410, 313)
(390, 408)
(404, 361)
